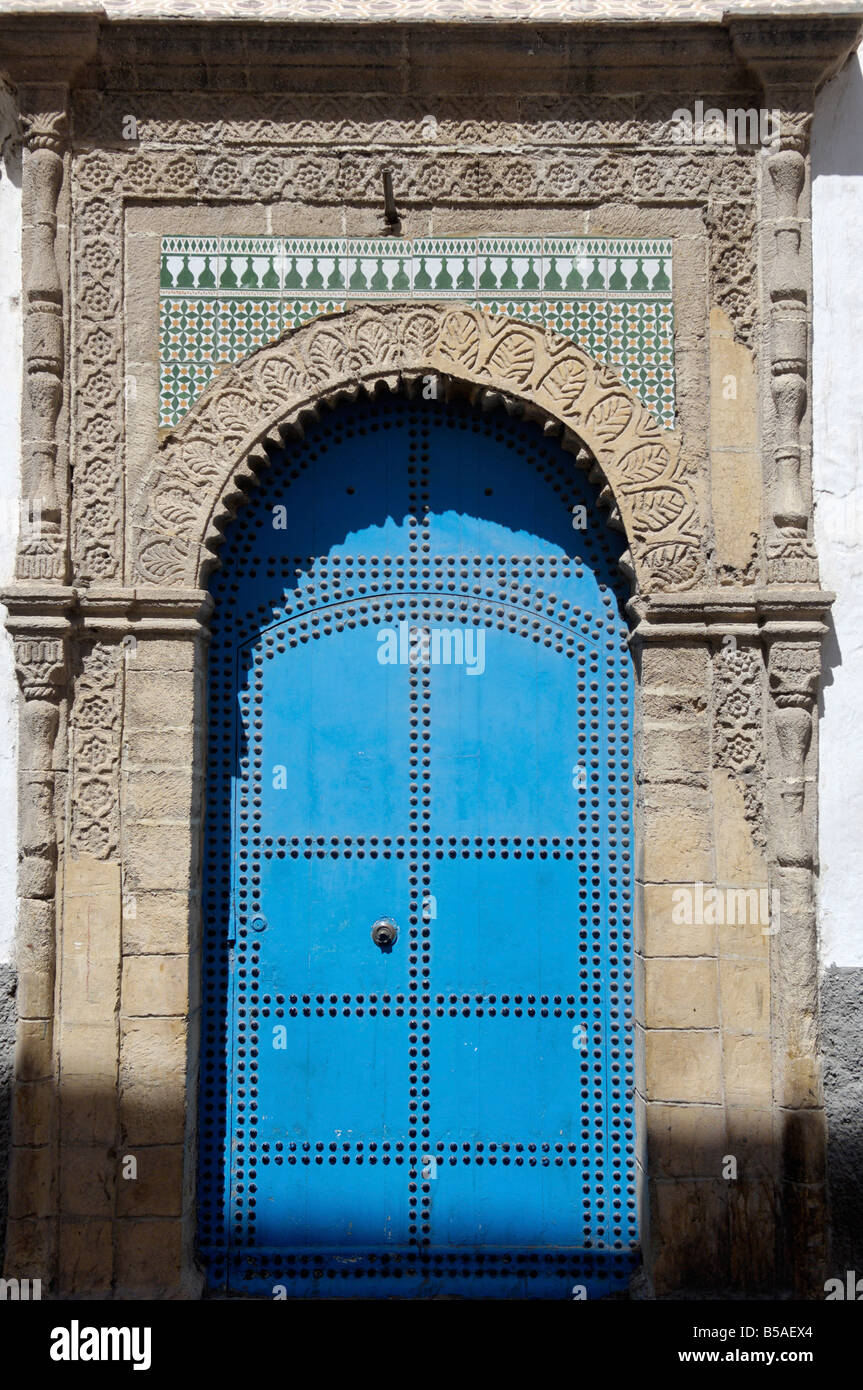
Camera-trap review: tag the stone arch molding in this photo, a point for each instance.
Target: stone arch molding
(202, 470)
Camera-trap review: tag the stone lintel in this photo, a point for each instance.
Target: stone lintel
(146, 611)
(700, 614)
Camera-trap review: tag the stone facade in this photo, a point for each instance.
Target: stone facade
(138, 131)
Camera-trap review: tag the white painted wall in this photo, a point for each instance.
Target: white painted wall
(10, 401)
(837, 210)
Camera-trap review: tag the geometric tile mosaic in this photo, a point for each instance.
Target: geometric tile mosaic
(221, 297)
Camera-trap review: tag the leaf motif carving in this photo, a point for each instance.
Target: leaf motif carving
(460, 338)
(419, 334)
(235, 412)
(162, 560)
(675, 565)
(657, 508)
(643, 464)
(280, 378)
(177, 508)
(610, 417)
(514, 356)
(566, 382)
(374, 343)
(324, 353)
(199, 460)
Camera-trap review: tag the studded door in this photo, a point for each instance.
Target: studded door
(419, 729)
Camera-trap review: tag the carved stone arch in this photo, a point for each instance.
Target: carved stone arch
(203, 469)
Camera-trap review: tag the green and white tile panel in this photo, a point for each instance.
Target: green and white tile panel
(221, 297)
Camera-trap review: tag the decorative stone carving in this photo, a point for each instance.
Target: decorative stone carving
(95, 751)
(42, 556)
(738, 746)
(194, 483)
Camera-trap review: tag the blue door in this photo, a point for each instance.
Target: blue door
(417, 1064)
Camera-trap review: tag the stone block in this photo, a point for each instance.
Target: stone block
(160, 699)
(152, 748)
(87, 1182)
(686, 1141)
(33, 1112)
(738, 858)
(158, 923)
(670, 752)
(152, 1114)
(677, 838)
(166, 654)
(751, 1223)
(89, 1051)
(682, 667)
(680, 993)
(162, 794)
(32, 1184)
(658, 933)
(90, 956)
(31, 1249)
(747, 1067)
(33, 1050)
(683, 1065)
(161, 856)
(752, 1141)
(804, 1144)
(155, 985)
(745, 989)
(689, 1234)
(88, 1110)
(149, 1256)
(157, 1188)
(86, 1256)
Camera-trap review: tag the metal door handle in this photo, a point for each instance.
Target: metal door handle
(385, 933)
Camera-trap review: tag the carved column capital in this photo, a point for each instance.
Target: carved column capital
(40, 667)
(794, 669)
(45, 130)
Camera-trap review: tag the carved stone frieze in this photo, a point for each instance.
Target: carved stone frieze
(284, 119)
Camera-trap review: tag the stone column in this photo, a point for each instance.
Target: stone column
(30, 1250)
(37, 618)
(43, 550)
(790, 552)
(794, 669)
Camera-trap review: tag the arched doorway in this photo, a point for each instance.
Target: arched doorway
(420, 710)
